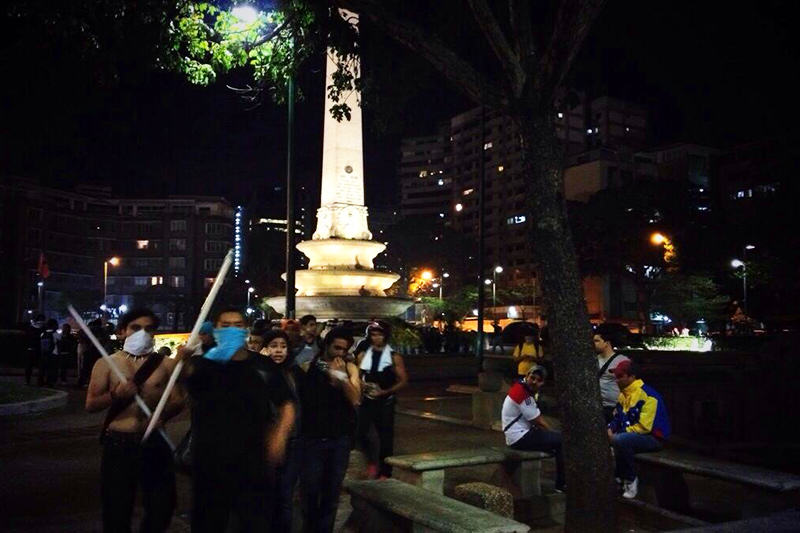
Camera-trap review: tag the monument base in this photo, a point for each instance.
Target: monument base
(344, 307)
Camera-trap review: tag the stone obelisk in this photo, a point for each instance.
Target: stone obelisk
(341, 280)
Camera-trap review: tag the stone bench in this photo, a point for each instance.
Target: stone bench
(426, 470)
(665, 471)
(391, 506)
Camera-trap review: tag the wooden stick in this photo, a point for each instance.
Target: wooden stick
(113, 366)
(193, 339)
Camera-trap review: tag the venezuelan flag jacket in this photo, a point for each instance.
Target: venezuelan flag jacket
(640, 409)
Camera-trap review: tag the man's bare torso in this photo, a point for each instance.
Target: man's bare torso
(132, 419)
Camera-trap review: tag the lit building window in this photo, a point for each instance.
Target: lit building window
(467, 192)
(560, 114)
(487, 145)
(156, 280)
(423, 173)
(142, 245)
(516, 219)
(441, 215)
(459, 207)
(501, 168)
(440, 182)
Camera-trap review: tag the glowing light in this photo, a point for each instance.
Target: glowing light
(459, 207)
(736, 263)
(123, 308)
(114, 261)
(251, 289)
(245, 13)
(487, 282)
(657, 239)
(498, 269)
(426, 275)
(749, 247)
(446, 275)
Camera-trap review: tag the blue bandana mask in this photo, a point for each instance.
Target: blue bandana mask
(229, 340)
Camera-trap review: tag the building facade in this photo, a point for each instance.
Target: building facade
(167, 251)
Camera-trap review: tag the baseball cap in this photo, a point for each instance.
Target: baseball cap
(623, 368)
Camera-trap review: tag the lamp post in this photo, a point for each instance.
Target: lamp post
(497, 270)
(441, 283)
(113, 261)
(39, 288)
(249, 14)
(250, 291)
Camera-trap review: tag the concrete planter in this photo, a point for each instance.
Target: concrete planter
(54, 401)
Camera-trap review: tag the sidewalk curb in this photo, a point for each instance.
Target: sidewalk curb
(58, 399)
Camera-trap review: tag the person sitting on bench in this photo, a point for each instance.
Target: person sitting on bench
(523, 423)
(640, 424)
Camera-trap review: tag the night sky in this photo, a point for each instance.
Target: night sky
(712, 74)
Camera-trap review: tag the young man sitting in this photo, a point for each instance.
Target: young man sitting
(640, 424)
(523, 423)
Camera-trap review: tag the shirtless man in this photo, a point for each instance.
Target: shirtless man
(128, 463)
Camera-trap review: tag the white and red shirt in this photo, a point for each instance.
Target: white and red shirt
(519, 401)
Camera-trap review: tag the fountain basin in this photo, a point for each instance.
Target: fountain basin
(343, 282)
(349, 307)
(340, 253)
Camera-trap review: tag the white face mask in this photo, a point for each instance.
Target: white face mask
(140, 343)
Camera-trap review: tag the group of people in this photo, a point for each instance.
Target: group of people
(634, 412)
(270, 409)
(51, 350)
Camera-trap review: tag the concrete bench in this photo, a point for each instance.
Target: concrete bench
(665, 471)
(426, 470)
(391, 506)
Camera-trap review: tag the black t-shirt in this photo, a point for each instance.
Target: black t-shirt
(234, 405)
(326, 411)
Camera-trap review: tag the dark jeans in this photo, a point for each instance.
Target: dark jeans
(324, 466)
(286, 479)
(38, 361)
(218, 500)
(379, 413)
(542, 440)
(128, 464)
(626, 445)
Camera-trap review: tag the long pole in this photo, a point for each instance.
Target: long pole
(193, 339)
(481, 183)
(744, 280)
(290, 275)
(40, 287)
(494, 294)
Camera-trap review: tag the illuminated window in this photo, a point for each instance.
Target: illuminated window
(467, 192)
(423, 173)
(177, 281)
(487, 146)
(516, 219)
(459, 207)
(560, 114)
(156, 280)
(142, 245)
(501, 168)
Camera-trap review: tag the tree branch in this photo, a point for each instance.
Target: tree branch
(271, 34)
(494, 34)
(460, 73)
(572, 24)
(519, 15)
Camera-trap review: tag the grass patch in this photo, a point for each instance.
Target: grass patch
(15, 392)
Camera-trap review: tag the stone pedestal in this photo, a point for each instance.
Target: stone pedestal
(489, 497)
(486, 408)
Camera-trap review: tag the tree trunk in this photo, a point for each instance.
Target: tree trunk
(591, 505)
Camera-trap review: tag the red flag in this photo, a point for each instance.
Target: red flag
(43, 270)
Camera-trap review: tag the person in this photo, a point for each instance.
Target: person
(242, 414)
(66, 345)
(276, 347)
(34, 336)
(49, 352)
(308, 348)
(640, 424)
(255, 340)
(523, 424)
(383, 373)
(607, 361)
(127, 462)
(292, 329)
(526, 353)
(497, 337)
(207, 336)
(329, 395)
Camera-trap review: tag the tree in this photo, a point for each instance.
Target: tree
(688, 297)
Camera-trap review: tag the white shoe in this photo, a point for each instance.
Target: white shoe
(631, 488)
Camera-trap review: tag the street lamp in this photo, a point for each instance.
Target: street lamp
(736, 263)
(659, 239)
(441, 283)
(497, 270)
(113, 261)
(250, 290)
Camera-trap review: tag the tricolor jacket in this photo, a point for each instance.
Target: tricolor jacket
(640, 409)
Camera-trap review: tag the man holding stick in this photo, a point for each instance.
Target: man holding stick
(242, 415)
(127, 462)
